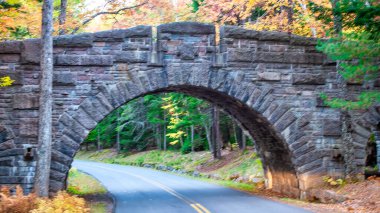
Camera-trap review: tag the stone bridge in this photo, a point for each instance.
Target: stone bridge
(269, 81)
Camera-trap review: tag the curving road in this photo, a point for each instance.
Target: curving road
(141, 190)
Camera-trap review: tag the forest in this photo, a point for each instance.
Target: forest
(169, 121)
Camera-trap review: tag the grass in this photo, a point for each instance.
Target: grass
(83, 184)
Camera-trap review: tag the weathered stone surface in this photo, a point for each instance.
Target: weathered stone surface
(131, 57)
(332, 127)
(80, 40)
(238, 33)
(241, 55)
(268, 76)
(64, 79)
(308, 78)
(9, 58)
(10, 47)
(25, 101)
(186, 28)
(273, 36)
(269, 81)
(187, 51)
(84, 60)
(29, 127)
(31, 51)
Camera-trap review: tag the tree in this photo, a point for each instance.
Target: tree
(62, 17)
(46, 102)
(356, 52)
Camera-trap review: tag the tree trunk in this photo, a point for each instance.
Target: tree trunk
(216, 134)
(208, 137)
(165, 141)
(62, 17)
(98, 141)
(118, 132)
(158, 136)
(192, 138)
(337, 16)
(243, 141)
(46, 101)
(290, 16)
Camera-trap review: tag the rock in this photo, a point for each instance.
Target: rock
(308, 78)
(196, 174)
(186, 28)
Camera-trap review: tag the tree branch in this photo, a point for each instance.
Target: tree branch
(107, 13)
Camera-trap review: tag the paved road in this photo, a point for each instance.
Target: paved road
(141, 190)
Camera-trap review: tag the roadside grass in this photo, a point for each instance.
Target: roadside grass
(247, 187)
(83, 184)
(86, 186)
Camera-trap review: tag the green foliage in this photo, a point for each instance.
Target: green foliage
(333, 182)
(357, 51)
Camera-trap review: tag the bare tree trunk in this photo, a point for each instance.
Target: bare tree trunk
(165, 141)
(118, 132)
(208, 135)
(46, 101)
(192, 138)
(98, 140)
(62, 17)
(216, 134)
(337, 16)
(290, 16)
(158, 136)
(243, 141)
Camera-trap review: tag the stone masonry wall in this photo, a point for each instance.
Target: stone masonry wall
(269, 81)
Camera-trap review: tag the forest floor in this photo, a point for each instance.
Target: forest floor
(242, 171)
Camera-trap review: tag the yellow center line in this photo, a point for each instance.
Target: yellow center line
(197, 206)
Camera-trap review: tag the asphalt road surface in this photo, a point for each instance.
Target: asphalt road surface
(141, 190)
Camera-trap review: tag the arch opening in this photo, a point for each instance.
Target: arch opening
(280, 172)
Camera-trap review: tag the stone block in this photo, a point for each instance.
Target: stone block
(131, 57)
(64, 79)
(238, 33)
(308, 79)
(8, 161)
(80, 40)
(84, 60)
(25, 101)
(5, 171)
(10, 47)
(271, 57)
(273, 36)
(31, 51)
(9, 58)
(241, 55)
(304, 41)
(269, 76)
(7, 145)
(29, 127)
(186, 28)
(138, 32)
(332, 127)
(14, 75)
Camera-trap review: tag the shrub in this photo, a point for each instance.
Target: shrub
(61, 203)
(18, 203)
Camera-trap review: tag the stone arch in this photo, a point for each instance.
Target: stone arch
(364, 123)
(273, 124)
